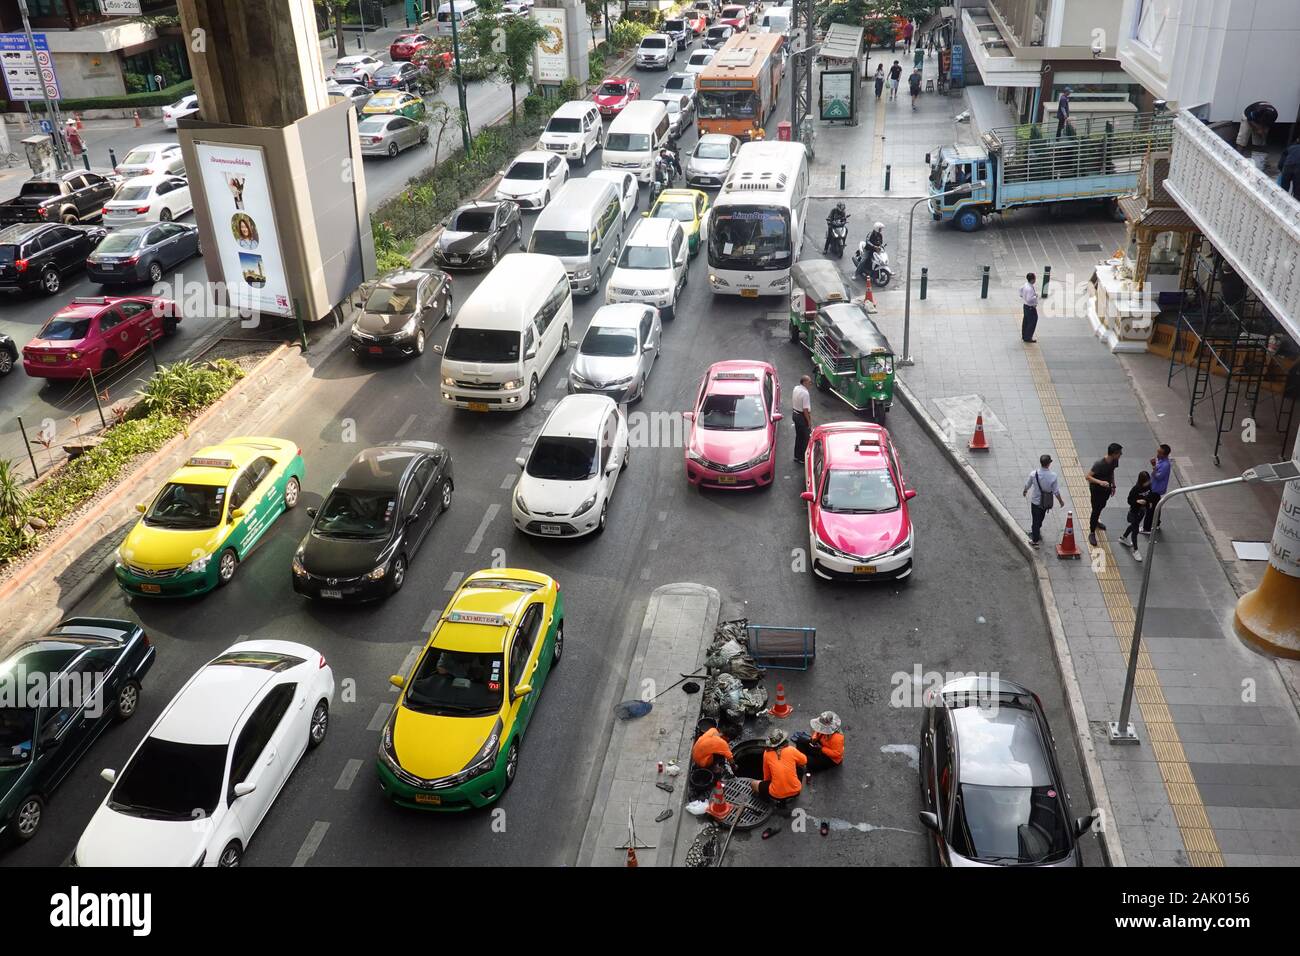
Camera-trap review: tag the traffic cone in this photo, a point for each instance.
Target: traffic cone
(867, 296)
(780, 708)
(719, 808)
(631, 857)
(1067, 548)
(978, 442)
(138, 124)
(80, 124)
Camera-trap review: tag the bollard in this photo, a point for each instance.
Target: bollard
(887, 169)
(927, 159)
(1047, 277)
(984, 284)
(153, 355)
(36, 472)
(94, 390)
(841, 177)
(112, 158)
(359, 42)
(925, 280)
(85, 158)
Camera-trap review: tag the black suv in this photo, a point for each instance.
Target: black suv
(8, 355)
(38, 255)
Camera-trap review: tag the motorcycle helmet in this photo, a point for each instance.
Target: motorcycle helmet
(879, 227)
(840, 211)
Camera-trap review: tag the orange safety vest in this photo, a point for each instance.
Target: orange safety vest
(832, 745)
(781, 770)
(710, 744)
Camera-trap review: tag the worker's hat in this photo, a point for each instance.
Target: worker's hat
(777, 739)
(827, 723)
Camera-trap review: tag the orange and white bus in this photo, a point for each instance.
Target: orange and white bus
(738, 89)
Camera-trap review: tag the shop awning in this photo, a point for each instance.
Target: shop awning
(842, 42)
(1160, 218)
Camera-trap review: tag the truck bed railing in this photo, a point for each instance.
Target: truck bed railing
(1091, 146)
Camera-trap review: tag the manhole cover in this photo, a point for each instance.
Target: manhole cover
(752, 808)
(1089, 246)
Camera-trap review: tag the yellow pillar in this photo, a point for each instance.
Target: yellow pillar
(1269, 616)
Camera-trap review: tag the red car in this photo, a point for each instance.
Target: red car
(697, 21)
(736, 16)
(615, 93)
(406, 46)
(733, 427)
(858, 524)
(95, 333)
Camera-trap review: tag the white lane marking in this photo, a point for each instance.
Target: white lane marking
(561, 385)
(645, 574)
(312, 843)
(407, 663)
(349, 775)
(654, 546)
(507, 482)
(453, 580)
(663, 516)
(381, 717)
(549, 405)
(405, 425)
(476, 541)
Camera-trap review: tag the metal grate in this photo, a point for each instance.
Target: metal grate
(1088, 246)
(752, 808)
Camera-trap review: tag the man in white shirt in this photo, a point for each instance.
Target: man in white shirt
(802, 417)
(1029, 320)
(1041, 486)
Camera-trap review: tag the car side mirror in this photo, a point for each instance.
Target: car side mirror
(523, 690)
(1084, 824)
(107, 775)
(688, 416)
(532, 354)
(237, 514)
(929, 820)
(646, 214)
(777, 416)
(807, 496)
(397, 681)
(521, 461)
(611, 468)
(244, 789)
(909, 494)
(141, 507)
(311, 512)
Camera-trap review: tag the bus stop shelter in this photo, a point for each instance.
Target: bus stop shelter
(840, 58)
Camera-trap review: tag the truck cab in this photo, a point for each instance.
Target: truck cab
(955, 166)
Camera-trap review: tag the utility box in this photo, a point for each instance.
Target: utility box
(783, 131)
(40, 155)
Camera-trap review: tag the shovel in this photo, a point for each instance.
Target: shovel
(630, 709)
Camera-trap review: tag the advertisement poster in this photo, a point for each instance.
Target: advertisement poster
(552, 57)
(837, 95)
(28, 75)
(243, 218)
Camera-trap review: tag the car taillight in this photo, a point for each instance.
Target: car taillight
(322, 663)
(141, 210)
(104, 211)
(145, 639)
(42, 212)
(20, 265)
(132, 261)
(376, 140)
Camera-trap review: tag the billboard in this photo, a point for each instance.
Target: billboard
(837, 94)
(29, 75)
(243, 219)
(552, 54)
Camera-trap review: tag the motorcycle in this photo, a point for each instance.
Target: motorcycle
(881, 272)
(837, 237)
(665, 176)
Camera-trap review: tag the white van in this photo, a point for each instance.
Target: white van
(574, 130)
(507, 334)
(776, 21)
(635, 138)
(466, 12)
(583, 225)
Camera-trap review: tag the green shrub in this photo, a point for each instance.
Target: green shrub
(628, 33)
(184, 387)
(131, 100)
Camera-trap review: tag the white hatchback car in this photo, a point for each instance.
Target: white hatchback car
(148, 199)
(699, 60)
(356, 69)
(185, 107)
(533, 178)
(196, 788)
(569, 476)
(653, 267)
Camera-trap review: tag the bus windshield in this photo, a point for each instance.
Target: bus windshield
(750, 237)
(726, 104)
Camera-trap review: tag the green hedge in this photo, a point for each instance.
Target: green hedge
(125, 101)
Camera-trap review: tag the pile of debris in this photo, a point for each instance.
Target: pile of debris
(733, 691)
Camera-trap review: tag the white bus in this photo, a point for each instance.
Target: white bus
(755, 230)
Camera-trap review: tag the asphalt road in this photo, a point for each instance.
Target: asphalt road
(660, 531)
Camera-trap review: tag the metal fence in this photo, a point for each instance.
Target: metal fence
(1092, 146)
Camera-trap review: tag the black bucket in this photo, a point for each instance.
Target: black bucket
(700, 778)
(705, 724)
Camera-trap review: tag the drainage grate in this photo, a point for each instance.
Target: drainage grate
(1089, 246)
(738, 795)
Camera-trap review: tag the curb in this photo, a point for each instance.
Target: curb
(1108, 837)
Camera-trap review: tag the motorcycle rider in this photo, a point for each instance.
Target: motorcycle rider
(875, 244)
(669, 159)
(838, 217)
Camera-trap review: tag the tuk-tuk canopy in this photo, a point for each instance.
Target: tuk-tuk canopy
(820, 280)
(851, 327)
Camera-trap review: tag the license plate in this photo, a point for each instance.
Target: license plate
(549, 528)
(455, 258)
(726, 479)
(478, 406)
(49, 359)
(107, 266)
(749, 293)
(331, 593)
(427, 798)
(863, 569)
(376, 350)
(151, 588)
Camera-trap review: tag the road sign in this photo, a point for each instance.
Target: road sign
(46, 126)
(28, 75)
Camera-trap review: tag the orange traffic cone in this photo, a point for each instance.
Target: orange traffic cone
(80, 124)
(136, 114)
(867, 296)
(1067, 548)
(631, 857)
(719, 808)
(780, 708)
(979, 442)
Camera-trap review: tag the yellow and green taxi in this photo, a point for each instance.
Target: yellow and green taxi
(452, 742)
(208, 516)
(688, 207)
(394, 101)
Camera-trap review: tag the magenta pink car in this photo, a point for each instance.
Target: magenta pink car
(733, 426)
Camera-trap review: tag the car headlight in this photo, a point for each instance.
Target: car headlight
(621, 381)
(759, 460)
(694, 455)
(387, 753)
(448, 381)
(485, 759)
(583, 275)
(198, 565)
(512, 384)
(578, 379)
(718, 280)
(521, 503)
(298, 568)
(585, 507)
(378, 573)
(901, 549)
(199, 862)
(483, 246)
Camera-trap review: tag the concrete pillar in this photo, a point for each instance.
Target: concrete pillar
(255, 62)
(1269, 616)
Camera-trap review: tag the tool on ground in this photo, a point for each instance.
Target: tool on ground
(1067, 548)
(632, 844)
(978, 442)
(727, 842)
(665, 787)
(630, 709)
(781, 709)
(718, 805)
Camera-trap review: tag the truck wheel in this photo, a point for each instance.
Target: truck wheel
(70, 219)
(968, 220)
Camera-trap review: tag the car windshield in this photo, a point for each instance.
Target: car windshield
(608, 342)
(859, 491)
(732, 413)
(138, 157)
(750, 238)
(627, 142)
(66, 330)
(645, 257)
(715, 33)
(391, 70)
(482, 345)
(529, 170)
(387, 300)
(681, 81)
(166, 780)
(356, 514)
(681, 211)
(672, 105)
(17, 725)
(385, 99)
(472, 220)
(118, 242)
(712, 150)
(612, 89)
(456, 682)
(703, 57)
(553, 242)
(1010, 824)
(564, 124)
(654, 43)
(557, 458)
(726, 104)
(674, 26)
(133, 193)
(181, 505)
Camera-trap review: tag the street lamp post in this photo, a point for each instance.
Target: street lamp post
(1122, 730)
(907, 302)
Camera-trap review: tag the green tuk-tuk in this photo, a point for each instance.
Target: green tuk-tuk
(851, 356)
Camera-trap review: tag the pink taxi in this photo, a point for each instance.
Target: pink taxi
(733, 426)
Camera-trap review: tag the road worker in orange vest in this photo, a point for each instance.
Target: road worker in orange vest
(712, 750)
(824, 748)
(782, 770)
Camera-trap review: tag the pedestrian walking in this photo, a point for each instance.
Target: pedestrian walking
(1029, 309)
(1041, 487)
(1063, 111)
(880, 79)
(1101, 482)
(908, 29)
(802, 417)
(914, 87)
(74, 139)
(1288, 176)
(1139, 505)
(895, 73)
(1161, 466)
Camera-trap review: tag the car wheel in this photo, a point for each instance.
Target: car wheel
(496, 256)
(169, 325)
(27, 818)
(70, 220)
(446, 497)
(397, 577)
(585, 154)
(232, 855)
(50, 281)
(419, 342)
(558, 651)
(564, 339)
(822, 381)
(968, 220)
(292, 488)
(226, 565)
(519, 234)
(424, 136)
(155, 272)
(128, 699)
(198, 247)
(392, 150)
(512, 763)
(604, 517)
(532, 392)
(794, 332)
(669, 312)
(320, 725)
(6, 362)
(165, 216)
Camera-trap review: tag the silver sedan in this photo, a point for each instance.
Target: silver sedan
(388, 135)
(708, 163)
(617, 353)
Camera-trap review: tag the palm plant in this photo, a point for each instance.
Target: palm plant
(13, 497)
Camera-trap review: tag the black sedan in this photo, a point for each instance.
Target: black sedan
(373, 521)
(135, 254)
(476, 234)
(58, 693)
(401, 311)
(396, 76)
(991, 790)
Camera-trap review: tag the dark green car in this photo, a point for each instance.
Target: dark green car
(58, 693)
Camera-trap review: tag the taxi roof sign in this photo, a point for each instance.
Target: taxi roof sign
(868, 441)
(201, 462)
(477, 617)
(735, 376)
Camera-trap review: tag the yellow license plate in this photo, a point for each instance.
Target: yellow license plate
(863, 569)
(427, 798)
(151, 588)
(726, 479)
(749, 293)
(478, 406)
(49, 359)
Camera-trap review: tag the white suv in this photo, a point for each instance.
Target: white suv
(656, 50)
(574, 130)
(653, 266)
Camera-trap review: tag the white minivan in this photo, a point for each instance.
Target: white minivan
(507, 334)
(466, 12)
(635, 137)
(574, 130)
(583, 225)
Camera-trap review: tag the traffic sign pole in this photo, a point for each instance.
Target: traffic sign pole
(60, 148)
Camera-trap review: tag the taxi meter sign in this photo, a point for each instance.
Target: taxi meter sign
(29, 73)
(476, 617)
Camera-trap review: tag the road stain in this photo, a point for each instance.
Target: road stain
(836, 824)
(909, 751)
